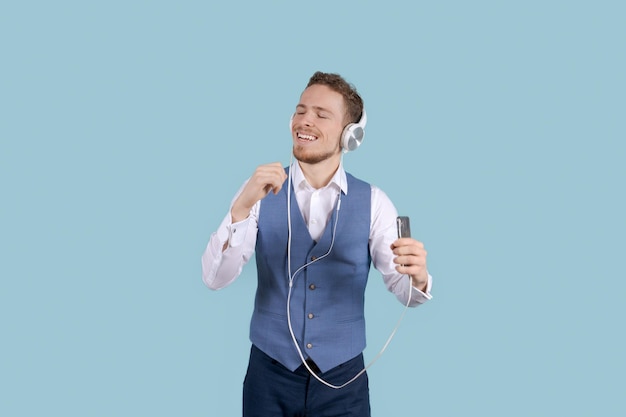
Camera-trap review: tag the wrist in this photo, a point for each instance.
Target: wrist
(238, 214)
(420, 284)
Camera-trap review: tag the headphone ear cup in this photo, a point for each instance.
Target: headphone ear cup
(352, 137)
(353, 134)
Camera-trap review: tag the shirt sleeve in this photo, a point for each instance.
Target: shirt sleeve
(230, 247)
(382, 234)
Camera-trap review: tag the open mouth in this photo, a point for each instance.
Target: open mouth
(304, 136)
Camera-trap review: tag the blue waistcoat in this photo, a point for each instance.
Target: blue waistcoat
(327, 299)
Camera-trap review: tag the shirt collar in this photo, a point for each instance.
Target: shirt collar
(339, 180)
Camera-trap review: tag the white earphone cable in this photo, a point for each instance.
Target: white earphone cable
(292, 277)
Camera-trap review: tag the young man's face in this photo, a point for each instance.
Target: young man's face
(317, 124)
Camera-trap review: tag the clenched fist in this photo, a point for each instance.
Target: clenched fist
(266, 178)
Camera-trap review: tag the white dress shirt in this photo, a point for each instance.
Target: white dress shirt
(221, 267)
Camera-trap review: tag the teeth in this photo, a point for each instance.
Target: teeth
(307, 137)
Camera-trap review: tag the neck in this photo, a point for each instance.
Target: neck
(320, 174)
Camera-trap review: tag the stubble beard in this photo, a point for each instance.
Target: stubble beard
(301, 154)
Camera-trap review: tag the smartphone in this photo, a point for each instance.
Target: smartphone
(404, 226)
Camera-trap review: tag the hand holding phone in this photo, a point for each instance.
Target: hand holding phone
(412, 252)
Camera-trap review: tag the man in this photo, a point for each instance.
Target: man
(315, 229)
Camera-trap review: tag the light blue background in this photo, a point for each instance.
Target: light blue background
(126, 127)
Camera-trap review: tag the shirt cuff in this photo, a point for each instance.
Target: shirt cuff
(423, 296)
(237, 232)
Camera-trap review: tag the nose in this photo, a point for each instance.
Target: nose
(305, 119)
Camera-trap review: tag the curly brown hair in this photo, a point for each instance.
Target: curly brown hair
(354, 102)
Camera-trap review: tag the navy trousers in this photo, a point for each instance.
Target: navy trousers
(271, 390)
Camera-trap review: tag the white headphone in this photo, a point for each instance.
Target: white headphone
(352, 134)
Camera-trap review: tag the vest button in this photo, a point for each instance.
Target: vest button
(312, 286)
(309, 346)
(311, 315)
